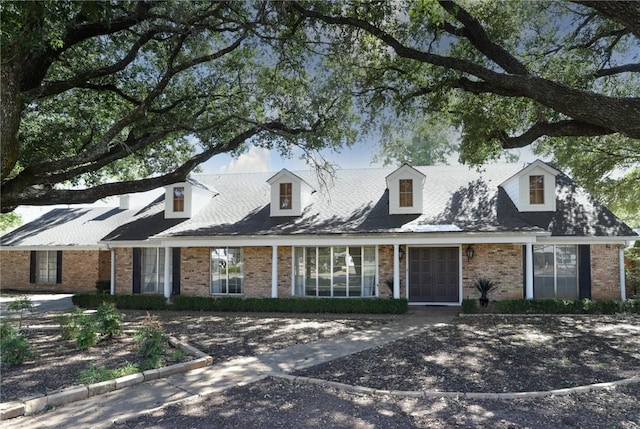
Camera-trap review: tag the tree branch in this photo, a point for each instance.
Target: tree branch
(627, 68)
(568, 128)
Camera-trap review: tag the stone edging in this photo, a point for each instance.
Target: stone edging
(467, 395)
(29, 406)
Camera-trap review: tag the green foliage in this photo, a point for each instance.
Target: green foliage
(87, 336)
(97, 374)
(21, 305)
(139, 302)
(293, 305)
(69, 324)
(14, 347)
(469, 306)
(152, 340)
(103, 286)
(108, 320)
(485, 285)
(564, 306)
(9, 220)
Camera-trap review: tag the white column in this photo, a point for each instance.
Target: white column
(113, 271)
(274, 271)
(529, 271)
(167, 272)
(396, 271)
(623, 285)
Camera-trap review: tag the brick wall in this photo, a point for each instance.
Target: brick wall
(257, 270)
(385, 271)
(497, 262)
(605, 272)
(104, 264)
(124, 271)
(195, 271)
(79, 272)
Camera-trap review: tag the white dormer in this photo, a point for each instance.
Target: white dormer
(405, 190)
(533, 189)
(290, 194)
(185, 199)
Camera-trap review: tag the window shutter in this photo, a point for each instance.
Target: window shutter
(137, 270)
(59, 267)
(32, 267)
(176, 271)
(584, 271)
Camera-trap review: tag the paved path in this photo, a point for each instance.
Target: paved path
(41, 303)
(118, 406)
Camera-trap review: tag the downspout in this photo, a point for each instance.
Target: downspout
(529, 271)
(274, 271)
(112, 283)
(396, 271)
(623, 285)
(167, 272)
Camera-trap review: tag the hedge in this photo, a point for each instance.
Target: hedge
(555, 306)
(137, 302)
(292, 305)
(267, 305)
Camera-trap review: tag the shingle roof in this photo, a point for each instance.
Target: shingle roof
(68, 227)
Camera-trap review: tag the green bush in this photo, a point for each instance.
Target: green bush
(14, 347)
(137, 302)
(87, 334)
(469, 306)
(69, 324)
(108, 320)
(565, 306)
(103, 286)
(292, 305)
(21, 304)
(151, 340)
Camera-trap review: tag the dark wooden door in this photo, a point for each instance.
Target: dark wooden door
(434, 274)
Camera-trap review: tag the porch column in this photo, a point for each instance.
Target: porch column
(167, 272)
(623, 285)
(113, 272)
(274, 271)
(396, 271)
(529, 271)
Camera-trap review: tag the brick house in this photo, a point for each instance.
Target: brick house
(424, 233)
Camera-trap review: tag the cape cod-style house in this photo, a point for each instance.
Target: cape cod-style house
(424, 233)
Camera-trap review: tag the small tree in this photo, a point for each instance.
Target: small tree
(21, 304)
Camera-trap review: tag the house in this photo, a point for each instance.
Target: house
(424, 233)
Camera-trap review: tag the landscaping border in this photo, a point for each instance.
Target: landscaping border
(35, 404)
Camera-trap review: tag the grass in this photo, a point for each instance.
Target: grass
(96, 374)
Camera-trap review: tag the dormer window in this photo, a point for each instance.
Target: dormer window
(406, 192)
(178, 199)
(536, 189)
(286, 194)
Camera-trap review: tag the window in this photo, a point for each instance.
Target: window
(153, 270)
(227, 271)
(340, 271)
(46, 266)
(406, 193)
(286, 192)
(555, 271)
(178, 199)
(536, 189)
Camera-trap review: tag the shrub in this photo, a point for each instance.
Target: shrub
(69, 324)
(137, 302)
(151, 340)
(21, 304)
(565, 306)
(96, 374)
(87, 335)
(14, 347)
(103, 286)
(469, 306)
(108, 320)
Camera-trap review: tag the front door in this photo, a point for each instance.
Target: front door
(434, 274)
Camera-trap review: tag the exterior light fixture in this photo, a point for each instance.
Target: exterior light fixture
(470, 253)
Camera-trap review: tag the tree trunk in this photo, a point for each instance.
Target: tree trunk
(10, 114)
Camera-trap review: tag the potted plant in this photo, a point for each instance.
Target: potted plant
(485, 285)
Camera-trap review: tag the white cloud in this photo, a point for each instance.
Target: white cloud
(255, 160)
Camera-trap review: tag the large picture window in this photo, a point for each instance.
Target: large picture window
(153, 270)
(555, 271)
(227, 271)
(46, 266)
(340, 271)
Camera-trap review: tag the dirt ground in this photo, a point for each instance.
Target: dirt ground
(471, 354)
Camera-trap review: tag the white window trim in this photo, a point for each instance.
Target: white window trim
(227, 293)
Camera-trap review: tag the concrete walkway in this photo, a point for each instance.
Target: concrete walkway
(120, 405)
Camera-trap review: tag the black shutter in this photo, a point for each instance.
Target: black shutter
(59, 266)
(584, 271)
(176, 271)
(137, 270)
(524, 272)
(32, 267)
